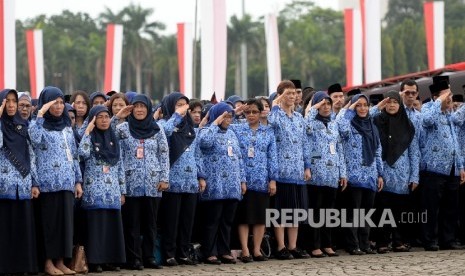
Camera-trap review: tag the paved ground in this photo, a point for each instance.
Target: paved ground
(414, 263)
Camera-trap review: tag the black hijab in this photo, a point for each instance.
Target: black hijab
(146, 128)
(15, 137)
(105, 142)
(183, 137)
(51, 122)
(369, 132)
(395, 131)
(318, 97)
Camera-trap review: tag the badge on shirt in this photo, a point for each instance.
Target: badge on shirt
(251, 152)
(69, 155)
(105, 169)
(230, 151)
(332, 148)
(140, 152)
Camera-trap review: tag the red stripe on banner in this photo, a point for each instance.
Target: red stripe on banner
(2, 45)
(349, 37)
(109, 58)
(362, 9)
(429, 29)
(181, 58)
(31, 59)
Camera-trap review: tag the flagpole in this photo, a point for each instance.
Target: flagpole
(194, 56)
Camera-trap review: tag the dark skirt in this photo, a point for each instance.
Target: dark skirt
(252, 208)
(18, 252)
(290, 196)
(105, 238)
(57, 222)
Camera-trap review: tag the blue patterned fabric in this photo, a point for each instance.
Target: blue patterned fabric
(143, 175)
(11, 179)
(458, 118)
(184, 173)
(441, 149)
(262, 166)
(224, 173)
(327, 167)
(102, 189)
(358, 175)
(292, 145)
(55, 172)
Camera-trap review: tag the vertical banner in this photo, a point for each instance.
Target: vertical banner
(214, 48)
(353, 41)
(185, 58)
(113, 56)
(273, 58)
(371, 23)
(7, 44)
(35, 58)
(434, 27)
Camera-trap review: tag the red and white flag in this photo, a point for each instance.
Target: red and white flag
(434, 27)
(7, 44)
(214, 45)
(35, 58)
(273, 57)
(353, 39)
(185, 59)
(371, 24)
(113, 56)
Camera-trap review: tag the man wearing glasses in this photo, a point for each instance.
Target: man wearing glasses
(24, 105)
(409, 93)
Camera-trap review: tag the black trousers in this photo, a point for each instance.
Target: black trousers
(321, 197)
(219, 217)
(440, 201)
(140, 218)
(358, 198)
(398, 204)
(178, 220)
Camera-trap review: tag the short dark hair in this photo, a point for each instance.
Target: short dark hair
(408, 82)
(283, 85)
(266, 99)
(86, 99)
(195, 103)
(256, 102)
(113, 98)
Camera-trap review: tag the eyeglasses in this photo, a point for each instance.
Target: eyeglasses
(411, 93)
(254, 112)
(23, 106)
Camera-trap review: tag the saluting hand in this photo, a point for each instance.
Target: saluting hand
(444, 96)
(90, 126)
(45, 108)
(277, 100)
(124, 112)
(157, 114)
(352, 106)
(220, 118)
(2, 107)
(182, 110)
(382, 104)
(240, 109)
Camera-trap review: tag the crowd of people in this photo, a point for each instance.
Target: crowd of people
(109, 171)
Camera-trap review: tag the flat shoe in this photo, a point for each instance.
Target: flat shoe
(246, 259)
(225, 260)
(213, 261)
(260, 258)
(332, 254)
(55, 272)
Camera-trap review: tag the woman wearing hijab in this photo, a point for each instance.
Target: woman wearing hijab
(104, 189)
(258, 148)
(401, 159)
(328, 169)
(146, 162)
(226, 183)
(17, 187)
(97, 98)
(59, 177)
(362, 151)
(186, 179)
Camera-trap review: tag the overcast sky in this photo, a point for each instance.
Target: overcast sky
(169, 12)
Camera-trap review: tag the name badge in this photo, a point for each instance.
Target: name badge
(332, 148)
(106, 169)
(69, 156)
(230, 151)
(251, 152)
(140, 152)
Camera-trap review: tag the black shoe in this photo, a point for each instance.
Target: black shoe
(333, 254)
(110, 267)
(369, 251)
(321, 255)
(186, 261)
(227, 260)
(431, 248)
(213, 261)
(383, 250)
(136, 265)
(356, 252)
(284, 254)
(260, 258)
(151, 263)
(171, 262)
(95, 268)
(246, 259)
(402, 248)
(298, 253)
